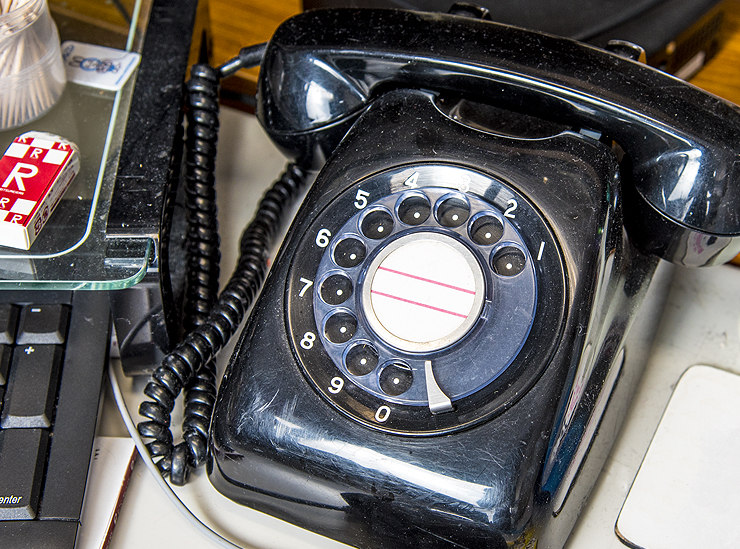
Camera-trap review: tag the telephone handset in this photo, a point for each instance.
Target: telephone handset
(441, 351)
(685, 178)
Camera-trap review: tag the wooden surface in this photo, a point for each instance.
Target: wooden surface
(239, 23)
(721, 75)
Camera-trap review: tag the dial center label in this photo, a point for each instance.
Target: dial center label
(423, 292)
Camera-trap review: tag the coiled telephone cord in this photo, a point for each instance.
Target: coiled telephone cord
(211, 322)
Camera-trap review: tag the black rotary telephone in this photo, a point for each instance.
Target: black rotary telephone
(440, 354)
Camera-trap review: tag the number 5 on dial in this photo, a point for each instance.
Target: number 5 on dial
(361, 199)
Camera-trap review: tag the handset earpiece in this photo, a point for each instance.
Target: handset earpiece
(323, 68)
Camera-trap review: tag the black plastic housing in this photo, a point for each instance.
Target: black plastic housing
(521, 476)
(621, 163)
(672, 32)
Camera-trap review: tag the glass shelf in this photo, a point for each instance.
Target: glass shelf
(72, 251)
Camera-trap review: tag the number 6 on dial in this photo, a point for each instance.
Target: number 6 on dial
(322, 238)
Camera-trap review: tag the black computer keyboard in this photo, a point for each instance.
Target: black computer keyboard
(53, 352)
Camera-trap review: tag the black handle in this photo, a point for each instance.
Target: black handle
(322, 68)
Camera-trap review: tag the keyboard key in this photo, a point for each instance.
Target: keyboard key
(43, 324)
(41, 480)
(8, 322)
(32, 386)
(77, 402)
(22, 455)
(46, 534)
(5, 353)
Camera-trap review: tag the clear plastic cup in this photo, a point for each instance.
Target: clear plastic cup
(32, 73)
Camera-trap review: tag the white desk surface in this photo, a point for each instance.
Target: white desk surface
(700, 325)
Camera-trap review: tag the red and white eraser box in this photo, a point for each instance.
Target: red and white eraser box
(35, 171)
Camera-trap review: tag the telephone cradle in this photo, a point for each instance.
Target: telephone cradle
(442, 352)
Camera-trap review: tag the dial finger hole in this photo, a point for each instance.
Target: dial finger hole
(453, 211)
(377, 224)
(340, 327)
(349, 253)
(361, 359)
(414, 209)
(336, 289)
(508, 261)
(396, 378)
(486, 230)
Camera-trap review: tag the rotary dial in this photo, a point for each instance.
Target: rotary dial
(414, 296)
